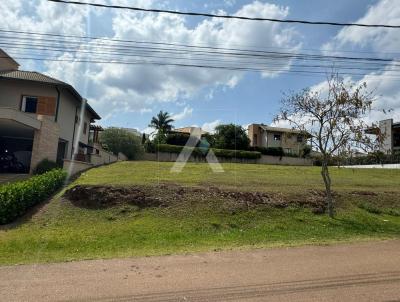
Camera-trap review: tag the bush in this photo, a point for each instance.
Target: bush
(273, 151)
(202, 152)
(17, 198)
(149, 147)
(230, 137)
(45, 166)
(236, 154)
(178, 139)
(306, 151)
(120, 140)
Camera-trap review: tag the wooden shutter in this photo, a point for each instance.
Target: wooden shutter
(46, 105)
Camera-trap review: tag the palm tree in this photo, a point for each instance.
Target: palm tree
(162, 122)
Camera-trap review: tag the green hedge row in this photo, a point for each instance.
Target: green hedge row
(274, 151)
(17, 198)
(202, 152)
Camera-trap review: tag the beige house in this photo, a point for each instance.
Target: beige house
(290, 140)
(41, 117)
(391, 135)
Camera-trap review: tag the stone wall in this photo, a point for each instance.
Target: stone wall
(45, 142)
(73, 166)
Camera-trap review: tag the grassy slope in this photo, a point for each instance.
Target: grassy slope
(61, 231)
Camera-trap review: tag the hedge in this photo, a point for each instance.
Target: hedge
(202, 152)
(274, 151)
(17, 198)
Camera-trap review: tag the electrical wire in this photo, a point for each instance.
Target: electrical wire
(209, 15)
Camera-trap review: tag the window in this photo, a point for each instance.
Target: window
(299, 138)
(84, 127)
(29, 104)
(277, 137)
(255, 142)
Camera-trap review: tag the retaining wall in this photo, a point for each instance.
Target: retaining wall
(265, 159)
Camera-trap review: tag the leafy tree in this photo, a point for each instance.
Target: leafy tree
(179, 139)
(231, 136)
(334, 119)
(119, 140)
(162, 122)
(143, 138)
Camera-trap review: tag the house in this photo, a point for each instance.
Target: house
(187, 130)
(41, 117)
(290, 140)
(391, 135)
(133, 131)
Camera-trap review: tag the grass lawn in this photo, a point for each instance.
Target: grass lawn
(368, 208)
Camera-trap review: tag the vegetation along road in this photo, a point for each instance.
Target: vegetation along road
(151, 211)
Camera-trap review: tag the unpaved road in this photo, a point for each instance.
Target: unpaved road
(347, 272)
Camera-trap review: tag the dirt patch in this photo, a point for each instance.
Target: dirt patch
(108, 196)
(165, 195)
(364, 193)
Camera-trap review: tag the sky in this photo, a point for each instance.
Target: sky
(129, 95)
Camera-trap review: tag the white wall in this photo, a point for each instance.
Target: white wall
(384, 166)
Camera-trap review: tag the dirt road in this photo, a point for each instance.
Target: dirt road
(347, 272)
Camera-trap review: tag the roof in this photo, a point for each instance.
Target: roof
(30, 76)
(279, 129)
(42, 78)
(187, 130)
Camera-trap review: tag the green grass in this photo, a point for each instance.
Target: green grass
(63, 232)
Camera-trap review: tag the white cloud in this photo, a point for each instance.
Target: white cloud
(383, 83)
(187, 112)
(379, 39)
(113, 88)
(210, 127)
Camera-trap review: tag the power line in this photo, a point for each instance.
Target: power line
(184, 54)
(48, 46)
(180, 48)
(200, 46)
(209, 15)
(202, 66)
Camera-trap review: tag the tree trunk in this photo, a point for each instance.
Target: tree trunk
(327, 182)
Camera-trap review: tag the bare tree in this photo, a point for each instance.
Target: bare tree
(333, 119)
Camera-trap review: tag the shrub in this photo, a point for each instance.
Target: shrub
(149, 146)
(236, 154)
(17, 198)
(230, 137)
(45, 166)
(120, 140)
(306, 151)
(274, 151)
(202, 152)
(178, 139)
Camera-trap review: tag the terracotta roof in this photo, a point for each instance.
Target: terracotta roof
(187, 130)
(30, 76)
(42, 78)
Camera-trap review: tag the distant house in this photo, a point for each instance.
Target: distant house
(391, 135)
(133, 131)
(187, 130)
(290, 140)
(42, 117)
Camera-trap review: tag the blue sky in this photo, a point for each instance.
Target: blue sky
(128, 96)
